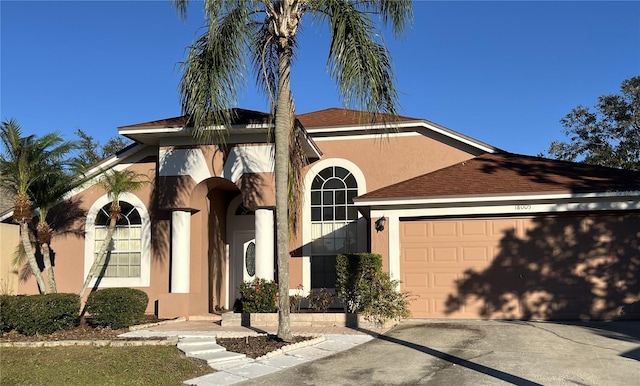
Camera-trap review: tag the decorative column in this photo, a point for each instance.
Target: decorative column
(264, 243)
(180, 251)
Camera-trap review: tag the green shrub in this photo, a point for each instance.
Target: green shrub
(354, 272)
(7, 309)
(117, 307)
(43, 314)
(320, 300)
(385, 303)
(259, 296)
(364, 288)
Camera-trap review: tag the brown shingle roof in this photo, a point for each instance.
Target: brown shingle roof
(342, 117)
(506, 173)
(241, 116)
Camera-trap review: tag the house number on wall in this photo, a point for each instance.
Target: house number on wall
(523, 207)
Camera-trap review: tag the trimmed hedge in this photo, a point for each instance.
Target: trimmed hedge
(6, 310)
(354, 273)
(116, 307)
(39, 314)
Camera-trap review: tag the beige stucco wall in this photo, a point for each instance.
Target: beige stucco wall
(387, 160)
(69, 244)
(9, 239)
(383, 160)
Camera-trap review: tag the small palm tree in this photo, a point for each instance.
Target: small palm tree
(115, 183)
(24, 161)
(47, 192)
(266, 32)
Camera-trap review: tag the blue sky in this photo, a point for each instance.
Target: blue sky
(502, 72)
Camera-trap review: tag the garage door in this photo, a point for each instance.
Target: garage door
(551, 267)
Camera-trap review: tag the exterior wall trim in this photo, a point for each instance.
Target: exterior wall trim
(406, 125)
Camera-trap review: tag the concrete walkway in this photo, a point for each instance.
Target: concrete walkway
(197, 339)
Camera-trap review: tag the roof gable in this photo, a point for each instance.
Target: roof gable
(505, 173)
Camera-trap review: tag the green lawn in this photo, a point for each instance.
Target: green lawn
(88, 365)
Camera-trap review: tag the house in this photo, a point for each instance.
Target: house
(471, 231)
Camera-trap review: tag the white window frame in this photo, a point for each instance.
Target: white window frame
(145, 234)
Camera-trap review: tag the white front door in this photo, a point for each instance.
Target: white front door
(243, 260)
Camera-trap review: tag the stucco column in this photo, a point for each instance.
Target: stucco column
(264, 243)
(180, 251)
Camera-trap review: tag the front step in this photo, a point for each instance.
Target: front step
(216, 357)
(204, 350)
(189, 344)
(207, 350)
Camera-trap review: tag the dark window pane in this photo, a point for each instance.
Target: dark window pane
(327, 198)
(351, 193)
(123, 221)
(326, 173)
(352, 213)
(317, 183)
(341, 173)
(341, 197)
(334, 183)
(102, 217)
(341, 213)
(351, 182)
(327, 214)
(315, 198)
(134, 217)
(316, 214)
(323, 272)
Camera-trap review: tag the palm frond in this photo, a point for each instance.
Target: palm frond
(19, 255)
(213, 71)
(358, 61)
(115, 182)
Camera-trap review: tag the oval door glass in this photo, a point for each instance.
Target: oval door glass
(250, 259)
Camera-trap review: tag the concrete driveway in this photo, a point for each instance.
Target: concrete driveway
(430, 352)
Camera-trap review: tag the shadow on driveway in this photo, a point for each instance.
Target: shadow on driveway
(514, 379)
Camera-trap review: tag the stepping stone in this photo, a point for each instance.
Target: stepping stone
(253, 370)
(216, 379)
(196, 344)
(203, 349)
(223, 366)
(216, 357)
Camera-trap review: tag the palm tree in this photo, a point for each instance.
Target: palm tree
(115, 183)
(47, 192)
(266, 31)
(23, 162)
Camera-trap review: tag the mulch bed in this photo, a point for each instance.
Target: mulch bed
(83, 332)
(257, 346)
(252, 346)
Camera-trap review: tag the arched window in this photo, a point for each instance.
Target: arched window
(129, 261)
(125, 250)
(334, 227)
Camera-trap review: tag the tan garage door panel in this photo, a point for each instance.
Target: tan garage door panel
(537, 268)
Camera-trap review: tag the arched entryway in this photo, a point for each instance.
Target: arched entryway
(209, 243)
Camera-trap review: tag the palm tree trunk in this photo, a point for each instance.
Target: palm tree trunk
(98, 262)
(283, 125)
(46, 256)
(31, 257)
